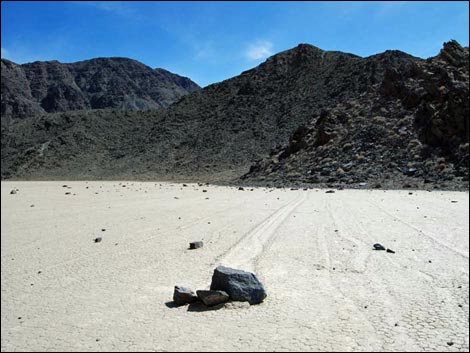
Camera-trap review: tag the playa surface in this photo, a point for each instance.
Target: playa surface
(327, 289)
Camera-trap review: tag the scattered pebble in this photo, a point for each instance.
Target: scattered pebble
(378, 246)
(196, 245)
(98, 239)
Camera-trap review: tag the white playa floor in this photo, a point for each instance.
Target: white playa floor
(327, 289)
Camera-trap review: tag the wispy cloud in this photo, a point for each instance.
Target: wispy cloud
(19, 57)
(203, 49)
(386, 8)
(259, 50)
(121, 8)
(5, 53)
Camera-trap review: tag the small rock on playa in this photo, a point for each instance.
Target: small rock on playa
(378, 246)
(183, 295)
(196, 245)
(212, 297)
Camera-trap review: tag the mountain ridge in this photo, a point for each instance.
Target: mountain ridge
(114, 82)
(226, 130)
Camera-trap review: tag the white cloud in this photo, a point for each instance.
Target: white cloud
(259, 50)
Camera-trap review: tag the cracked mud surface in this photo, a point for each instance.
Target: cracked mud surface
(327, 289)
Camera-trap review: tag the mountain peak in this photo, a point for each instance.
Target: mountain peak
(453, 53)
(99, 83)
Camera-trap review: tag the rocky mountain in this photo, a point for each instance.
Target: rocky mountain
(303, 117)
(40, 87)
(410, 128)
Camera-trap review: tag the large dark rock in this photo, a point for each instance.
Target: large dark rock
(240, 285)
(212, 297)
(182, 295)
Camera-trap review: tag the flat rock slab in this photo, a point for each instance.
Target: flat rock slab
(240, 285)
(196, 245)
(212, 297)
(183, 295)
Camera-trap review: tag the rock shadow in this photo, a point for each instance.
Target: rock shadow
(195, 307)
(172, 305)
(200, 307)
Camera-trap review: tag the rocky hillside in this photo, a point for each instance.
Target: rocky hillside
(409, 129)
(303, 117)
(40, 87)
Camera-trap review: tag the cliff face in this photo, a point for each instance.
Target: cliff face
(47, 87)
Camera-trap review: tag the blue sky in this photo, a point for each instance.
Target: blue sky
(212, 41)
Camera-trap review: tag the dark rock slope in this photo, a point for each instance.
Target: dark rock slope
(409, 129)
(305, 116)
(51, 86)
